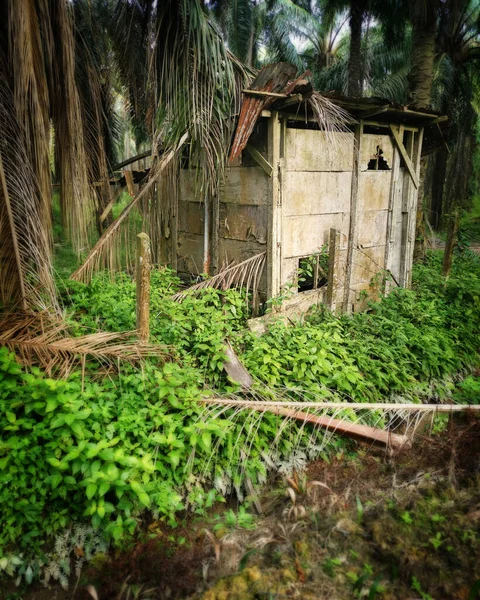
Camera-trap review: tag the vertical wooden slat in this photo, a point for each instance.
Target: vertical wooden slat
(352, 234)
(274, 209)
(391, 222)
(333, 289)
(416, 158)
(214, 234)
(409, 207)
(143, 287)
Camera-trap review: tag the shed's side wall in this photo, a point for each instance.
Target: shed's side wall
(242, 229)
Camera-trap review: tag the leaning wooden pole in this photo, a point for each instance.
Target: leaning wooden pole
(143, 287)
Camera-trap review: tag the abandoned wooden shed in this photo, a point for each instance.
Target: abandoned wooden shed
(296, 190)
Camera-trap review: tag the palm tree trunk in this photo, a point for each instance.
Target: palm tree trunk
(355, 63)
(438, 185)
(452, 235)
(423, 54)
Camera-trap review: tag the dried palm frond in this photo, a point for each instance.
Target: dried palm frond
(309, 426)
(245, 275)
(98, 255)
(31, 94)
(39, 338)
(25, 262)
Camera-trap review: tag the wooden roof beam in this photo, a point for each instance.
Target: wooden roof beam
(365, 114)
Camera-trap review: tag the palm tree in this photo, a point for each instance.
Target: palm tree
(56, 77)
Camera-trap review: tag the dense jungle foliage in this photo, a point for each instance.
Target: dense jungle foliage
(109, 451)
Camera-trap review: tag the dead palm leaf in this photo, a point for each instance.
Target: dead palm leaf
(246, 275)
(40, 339)
(25, 264)
(105, 245)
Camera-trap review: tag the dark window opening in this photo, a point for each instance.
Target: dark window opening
(377, 162)
(312, 271)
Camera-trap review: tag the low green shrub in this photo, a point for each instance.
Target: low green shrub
(101, 452)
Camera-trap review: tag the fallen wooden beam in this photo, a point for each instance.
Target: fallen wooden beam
(360, 433)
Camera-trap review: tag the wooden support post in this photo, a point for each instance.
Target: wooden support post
(394, 208)
(333, 269)
(214, 250)
(409, 206)
(274, 206)
(143, 287)
(130, 183)
(352, 233)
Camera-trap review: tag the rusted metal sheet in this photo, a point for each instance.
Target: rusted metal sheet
(272, 78)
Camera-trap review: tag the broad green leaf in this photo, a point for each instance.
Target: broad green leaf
(91, 489)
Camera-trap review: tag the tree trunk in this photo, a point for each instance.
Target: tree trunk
(424, 22)
(438, 185)
(451, 243)
(355, 62)
(421, 235)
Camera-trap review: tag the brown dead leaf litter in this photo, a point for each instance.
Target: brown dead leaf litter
(363, 525)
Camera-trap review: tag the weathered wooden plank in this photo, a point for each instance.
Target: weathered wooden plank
(261, 161)
(392, 254)
(334, 292)
(144, 260)
(405, 155)
(416, 158)
(244, 185)
(241, 222)
(374, 190)
(313, 150)
(215, 233)
(274, 224)
(190, 217)
(190, 253)
(367, 262)
(309, 192)
(304, 235)
(372, 228)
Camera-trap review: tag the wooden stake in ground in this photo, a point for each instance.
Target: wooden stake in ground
(143, 287)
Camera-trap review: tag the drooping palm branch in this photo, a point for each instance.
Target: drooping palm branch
(42, 339)
(25, 267)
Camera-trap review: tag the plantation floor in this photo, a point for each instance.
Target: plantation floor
(364, 525)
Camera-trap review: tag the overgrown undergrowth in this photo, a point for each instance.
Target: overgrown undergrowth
(110, 451)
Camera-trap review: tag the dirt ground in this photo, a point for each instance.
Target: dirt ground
(364, 525)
